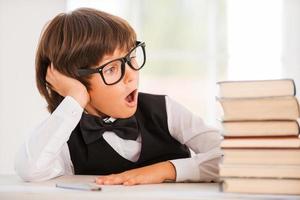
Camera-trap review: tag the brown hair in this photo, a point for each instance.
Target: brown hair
(78, 39)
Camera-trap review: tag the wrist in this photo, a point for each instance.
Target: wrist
(170, 172)
(81, 97)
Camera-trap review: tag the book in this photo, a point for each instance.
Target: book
(260, 171)
(261, 186)
(267, 108)
(262, 156)
(256, 88)
(260, 128)
(271, 142)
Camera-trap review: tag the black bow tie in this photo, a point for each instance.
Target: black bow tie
(93, 127)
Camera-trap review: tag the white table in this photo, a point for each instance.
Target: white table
(12, 187)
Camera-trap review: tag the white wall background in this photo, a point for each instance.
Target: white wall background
(291, 41)
(254, 39)
(21, 106)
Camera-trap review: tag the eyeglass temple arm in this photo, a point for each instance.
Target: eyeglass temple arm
(85, 72)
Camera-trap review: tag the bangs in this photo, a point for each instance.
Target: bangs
(99, 34)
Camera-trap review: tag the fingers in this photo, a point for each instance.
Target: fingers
(137, 180)
(52, 76)
(120, 179)
(48, 78)
(49, 73)
(133, 181)
(65, 85)
(114, 179)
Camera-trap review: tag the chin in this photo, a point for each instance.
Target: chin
(126, 113)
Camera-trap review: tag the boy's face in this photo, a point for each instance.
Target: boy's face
(119, 100)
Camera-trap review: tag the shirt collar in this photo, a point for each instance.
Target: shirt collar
(106, 119)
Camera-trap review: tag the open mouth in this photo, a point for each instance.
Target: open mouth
(131, 98)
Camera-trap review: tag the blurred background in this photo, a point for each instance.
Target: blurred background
(190, 45)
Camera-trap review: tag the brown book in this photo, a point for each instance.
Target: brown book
(260, 128)
(261, 186)
(260, 171)
(268, 108)
(262, 156)
(256, 88)
(267, 142)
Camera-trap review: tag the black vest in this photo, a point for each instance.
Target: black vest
(99, 158)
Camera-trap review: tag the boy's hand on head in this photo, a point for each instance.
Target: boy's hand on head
(156, 173)
(67, 86)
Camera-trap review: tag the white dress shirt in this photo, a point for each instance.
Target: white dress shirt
(45, 154)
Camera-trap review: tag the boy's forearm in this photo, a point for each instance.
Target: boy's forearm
(46, 141)
(167, 169)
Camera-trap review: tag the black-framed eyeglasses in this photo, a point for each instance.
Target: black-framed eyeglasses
(113, 71)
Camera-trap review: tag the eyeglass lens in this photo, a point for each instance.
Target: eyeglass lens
(112, 72)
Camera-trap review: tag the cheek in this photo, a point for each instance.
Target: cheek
(105, 98)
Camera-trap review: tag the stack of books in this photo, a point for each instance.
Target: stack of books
(261, 143)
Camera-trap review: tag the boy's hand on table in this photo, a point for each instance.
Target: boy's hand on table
(67, 86)
(156, 173)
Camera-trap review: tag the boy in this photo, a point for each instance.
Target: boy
(87, 68)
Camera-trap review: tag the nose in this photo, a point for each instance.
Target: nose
(130, 74)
